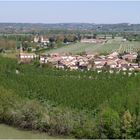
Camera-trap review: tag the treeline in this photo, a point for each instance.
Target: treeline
(14, 42)
(6, 44)
(17, 37)
(12, 45)
(132, 36)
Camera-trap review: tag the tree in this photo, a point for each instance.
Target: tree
(105, 36)
(79, 37)
(94, 36)
(137, 127)
(52, 42)
(65, 40)
(138, 59)
(109, 124)
(113, 36)
(127, 125)
(59, 43)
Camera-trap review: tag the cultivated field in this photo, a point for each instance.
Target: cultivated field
(108, 47)
(129, 47)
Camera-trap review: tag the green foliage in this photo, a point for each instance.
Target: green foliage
(30, 114)
(136, 127)
(109, 124)
(84, 104)
(7, 44)
(132, 37)
(63, 87)
(127, 124)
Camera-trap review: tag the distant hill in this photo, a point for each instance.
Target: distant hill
(28, 27)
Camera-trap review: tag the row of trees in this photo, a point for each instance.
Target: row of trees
(132, 36)
(18, 37)
(7, 44)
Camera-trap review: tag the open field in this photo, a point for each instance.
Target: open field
(110, 46)
(129, 47)
(7, 132)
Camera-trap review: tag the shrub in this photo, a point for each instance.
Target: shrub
(109, 124)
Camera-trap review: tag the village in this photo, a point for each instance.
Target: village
(111, 62)
(69, 69)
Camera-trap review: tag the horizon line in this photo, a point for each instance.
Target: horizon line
(65, 23)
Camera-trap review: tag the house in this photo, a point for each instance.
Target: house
(88, 40)
(99, 61)
(124, 40)
(44, 40)
(134, 65)
(40, 39)
(43, 59)
(111, 63)
(130, 57)
(54, 60)
(27, 57)
(122, 63)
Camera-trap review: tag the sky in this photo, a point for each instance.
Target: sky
(70, 11)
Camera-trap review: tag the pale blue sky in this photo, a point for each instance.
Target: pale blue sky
(64, 12)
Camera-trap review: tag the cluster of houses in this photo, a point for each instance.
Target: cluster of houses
(89, 61)
(113, 61)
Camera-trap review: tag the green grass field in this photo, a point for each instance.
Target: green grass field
(110, 46)
(7, 132)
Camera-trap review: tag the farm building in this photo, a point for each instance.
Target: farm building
(88, 40)
(27, 57)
